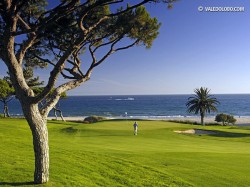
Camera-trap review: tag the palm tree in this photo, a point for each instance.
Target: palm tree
(202, 102)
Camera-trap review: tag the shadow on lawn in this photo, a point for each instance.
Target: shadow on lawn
(16, 183)
(92, 133)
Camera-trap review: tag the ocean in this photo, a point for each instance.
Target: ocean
(141, 106)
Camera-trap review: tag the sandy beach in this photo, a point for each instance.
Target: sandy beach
(241, 121)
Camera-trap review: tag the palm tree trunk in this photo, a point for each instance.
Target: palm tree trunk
(202, 119)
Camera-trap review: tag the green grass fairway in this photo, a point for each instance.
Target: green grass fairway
(108, 154)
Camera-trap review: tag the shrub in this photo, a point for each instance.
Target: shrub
(231, 119)
(225, 119)
(94, 119)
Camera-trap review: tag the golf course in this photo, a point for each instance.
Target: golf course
(108, 154)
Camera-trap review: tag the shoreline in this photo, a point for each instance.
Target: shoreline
(241, 121)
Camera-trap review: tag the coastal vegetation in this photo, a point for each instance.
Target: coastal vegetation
(226, 119)
(94, 119)
(202, 102)
(7, 91)
(6, 94)
(108, 154)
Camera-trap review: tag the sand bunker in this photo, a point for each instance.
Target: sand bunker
(195, 131)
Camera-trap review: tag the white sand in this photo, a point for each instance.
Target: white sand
(72, 118)
(195, 131)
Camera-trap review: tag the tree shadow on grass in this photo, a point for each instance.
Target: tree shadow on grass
(16, 183)
(92, 133)
(69, 130)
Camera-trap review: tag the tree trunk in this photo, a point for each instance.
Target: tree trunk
(6, 110)
(55, 112)
(4, 114)
(38, 126)
(60, 113)
(202, 119)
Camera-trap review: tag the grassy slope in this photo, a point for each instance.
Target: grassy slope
(107, 154)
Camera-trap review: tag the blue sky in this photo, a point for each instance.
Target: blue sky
(194, 49)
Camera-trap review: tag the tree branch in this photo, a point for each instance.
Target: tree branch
(58, 68)
(128, 46)
(108, 53)
(44, 60)
(55, 14)
(57, 93)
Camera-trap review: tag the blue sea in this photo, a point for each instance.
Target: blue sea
(141, 106)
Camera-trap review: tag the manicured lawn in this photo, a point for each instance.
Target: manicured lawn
(108, 154)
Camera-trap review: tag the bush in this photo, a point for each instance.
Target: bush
(225, 119)
(94, 119)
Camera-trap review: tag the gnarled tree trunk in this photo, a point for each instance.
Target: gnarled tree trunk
(38, 126)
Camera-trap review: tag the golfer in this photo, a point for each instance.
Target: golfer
(135, 128)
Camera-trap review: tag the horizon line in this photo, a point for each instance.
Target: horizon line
(158, 94)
